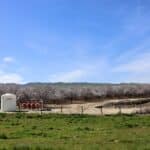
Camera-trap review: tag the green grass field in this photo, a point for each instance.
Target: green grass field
(74, 132)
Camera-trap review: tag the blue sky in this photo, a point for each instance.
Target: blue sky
(74, 41)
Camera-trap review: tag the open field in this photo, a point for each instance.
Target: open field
(75, 132)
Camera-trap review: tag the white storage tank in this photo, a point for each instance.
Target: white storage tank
(8, 102)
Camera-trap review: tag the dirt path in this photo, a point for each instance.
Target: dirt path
(91, 108)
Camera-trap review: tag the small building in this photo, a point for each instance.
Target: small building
(8, 102)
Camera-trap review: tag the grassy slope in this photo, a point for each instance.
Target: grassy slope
(74, 132)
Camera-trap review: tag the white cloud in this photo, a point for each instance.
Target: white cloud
(72, 76)
(10, 78)
(142, 47)
(89, 71)
(138, 64)
(133, 65)
(8, 59)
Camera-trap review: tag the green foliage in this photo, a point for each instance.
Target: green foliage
(2, 115)
(20, 115)
(65, 132)
(3, 136)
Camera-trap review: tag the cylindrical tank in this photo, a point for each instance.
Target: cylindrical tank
(8, 102)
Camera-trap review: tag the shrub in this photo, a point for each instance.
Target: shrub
(19, 115)
(34, 127)
(3, 136)
(2, 115)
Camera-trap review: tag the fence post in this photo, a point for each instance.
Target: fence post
(101, 110)
(82, 110)
(42, 106)
(19, 107)
(61, 108)
(140, 108)
(119, 109)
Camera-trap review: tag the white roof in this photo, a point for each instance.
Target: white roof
(9, 94)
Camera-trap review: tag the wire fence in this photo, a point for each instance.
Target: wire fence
(110, 107)
(99, 110)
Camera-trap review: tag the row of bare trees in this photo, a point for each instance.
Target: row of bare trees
(62, 92)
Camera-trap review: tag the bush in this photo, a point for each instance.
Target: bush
(3, 136)
(20, 115)
(2, 115)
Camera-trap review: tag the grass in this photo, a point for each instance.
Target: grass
(75, 132)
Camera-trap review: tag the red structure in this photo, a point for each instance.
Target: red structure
(31, 104)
